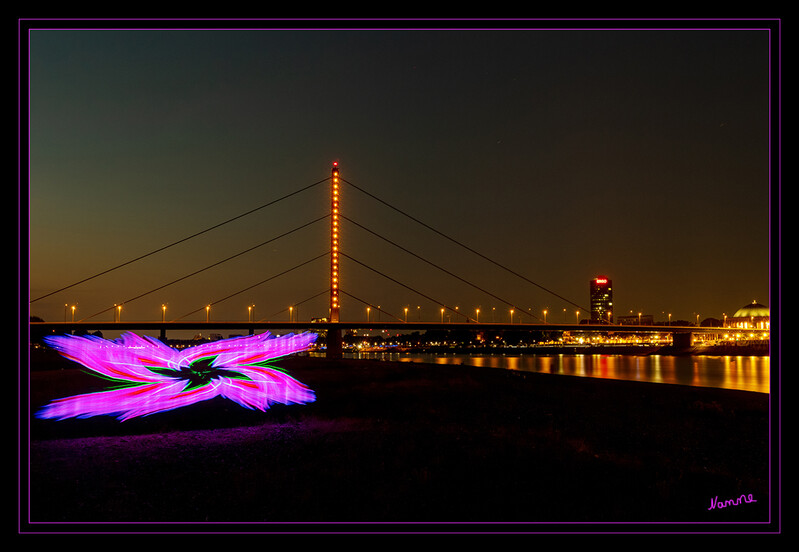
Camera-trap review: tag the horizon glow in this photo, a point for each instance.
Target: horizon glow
(152, 377)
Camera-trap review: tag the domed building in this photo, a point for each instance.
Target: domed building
(753, 315)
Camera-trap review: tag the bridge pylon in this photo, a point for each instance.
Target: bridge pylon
(334, 343)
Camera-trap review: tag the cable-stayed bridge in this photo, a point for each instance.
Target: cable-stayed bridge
(450, 316)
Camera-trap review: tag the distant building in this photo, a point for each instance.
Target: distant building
(753, 315)
(601, 300)
(637, 319)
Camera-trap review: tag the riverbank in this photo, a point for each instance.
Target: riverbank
(393, 443)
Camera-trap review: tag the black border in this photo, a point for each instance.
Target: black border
(773, 25)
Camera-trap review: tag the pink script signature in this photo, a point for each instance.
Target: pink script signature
(716, 503)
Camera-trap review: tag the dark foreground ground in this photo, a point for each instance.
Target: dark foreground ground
(468, 449)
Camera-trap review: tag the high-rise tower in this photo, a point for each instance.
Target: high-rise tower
(601, 300)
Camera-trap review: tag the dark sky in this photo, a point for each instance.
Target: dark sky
(642, 155)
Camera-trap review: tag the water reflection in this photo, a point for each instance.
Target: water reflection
(747, 373)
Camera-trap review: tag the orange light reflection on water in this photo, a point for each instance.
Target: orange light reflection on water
(748, 373)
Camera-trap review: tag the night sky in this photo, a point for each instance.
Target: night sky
(638, 154)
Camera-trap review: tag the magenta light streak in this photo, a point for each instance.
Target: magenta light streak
(156, 378)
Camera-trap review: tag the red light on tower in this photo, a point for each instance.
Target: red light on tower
(601, 300)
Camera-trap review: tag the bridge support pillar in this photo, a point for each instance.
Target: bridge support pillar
(334, 344)
(682, 340)
(162, 337)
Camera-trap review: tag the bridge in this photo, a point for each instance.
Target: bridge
(333, 325)
(682, 336)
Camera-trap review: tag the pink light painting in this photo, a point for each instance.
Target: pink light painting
(152, 377)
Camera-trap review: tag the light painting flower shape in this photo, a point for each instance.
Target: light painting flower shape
(153, 377)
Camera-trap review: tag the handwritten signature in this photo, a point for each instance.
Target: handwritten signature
(716, 503)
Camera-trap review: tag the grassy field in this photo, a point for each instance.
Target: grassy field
(458, 447)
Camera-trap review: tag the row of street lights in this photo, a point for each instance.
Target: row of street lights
(511, 312)
(118, 312)
(291, 309)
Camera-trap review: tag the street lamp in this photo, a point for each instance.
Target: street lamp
(406, 314)
(545, 316)
(442, 315)
(73, 313)
(368, 310)
(119, 313)
(577, 317)
(477, 316)
(207, 313)
(163, 313)
(291, 314)
(511, 316)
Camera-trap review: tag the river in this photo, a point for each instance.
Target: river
(746, 373)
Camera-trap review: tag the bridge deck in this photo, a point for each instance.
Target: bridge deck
(403, 326)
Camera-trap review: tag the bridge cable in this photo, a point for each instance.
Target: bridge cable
(325, 291)
(468, 318)
(256, 284)
(181, 240)
(210, 266)
(312, 297)
(377, 308)
(461, 244)
(521, 310)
